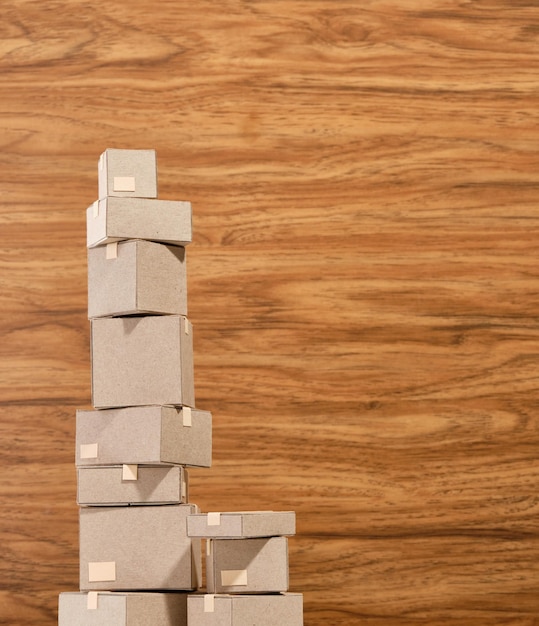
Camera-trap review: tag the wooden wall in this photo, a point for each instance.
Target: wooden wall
(363, 283)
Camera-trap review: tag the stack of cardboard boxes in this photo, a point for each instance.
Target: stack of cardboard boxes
(140, 538)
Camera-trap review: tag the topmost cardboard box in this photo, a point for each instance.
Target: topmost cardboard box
(127, 173)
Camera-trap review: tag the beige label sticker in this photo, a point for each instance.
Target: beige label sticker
(112, 250)
(129, 472)
(95, 208)
(92, 601)
(186, 325)
(88, 451)
(186, 415)
(214, 519)
(124, 183)
(102, 571)
(233, 577)
(209, 547)
(102, 161)
(209, 603)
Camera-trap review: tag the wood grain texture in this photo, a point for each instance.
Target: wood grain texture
(363, 283)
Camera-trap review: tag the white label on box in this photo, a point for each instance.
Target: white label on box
(209, 603)
(186, 325)
(186, 414)
(129, 472)
(209, 547)
(124, 183)
(92, 601)
(233, 577)
(112, 250)
(102, 571)
(95, 208)
(88, 451)
(214, 519)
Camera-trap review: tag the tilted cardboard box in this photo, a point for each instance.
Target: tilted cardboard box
(283, 609)
(144, 435)
(247, 565)
(242, 524)
(122, 609)
(136, 277)
(138, 361)
(127, 173)
(138, 548)
(116, 219)
(131, 484)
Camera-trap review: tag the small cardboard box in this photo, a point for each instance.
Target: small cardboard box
(144, 435)
(138, 548)
(115, 219)
(122, 609)
(131, 484)
(247, 565)
(282, 609)
(242, 524)
(130, 173)
(138, 361)
(136, 277)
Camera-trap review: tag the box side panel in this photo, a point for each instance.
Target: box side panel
(154, 220)
(139, 167)
(136, 361)
(73, 610)
(259, 565)
(268, 610)
(112, 281)
(269, 523)
(187, 359)
(96, 223)
(99, 486)
(230, 525)
(131, 435)
(187, 445)
(199, 613)
(157, 609)
(147, 545)
(161, 278)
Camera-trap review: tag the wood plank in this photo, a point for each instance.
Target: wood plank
(363, 283)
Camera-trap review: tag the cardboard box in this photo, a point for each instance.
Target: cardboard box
(122, 609)
(283, 609)
(138, 361)
(247, 565)
(131, 484)
(115, 219)
(131, 173)
(144, 435)
(138, 548)
(242, 524)
(136, 276)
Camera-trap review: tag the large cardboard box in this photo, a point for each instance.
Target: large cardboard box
(242, 524)
(131, 484)
(144, 435)
(127, 173)
(138, 548)
(283, 609)
(247, 565)
(122, 609)
(136, 276)
(115, 219)
(138, 361)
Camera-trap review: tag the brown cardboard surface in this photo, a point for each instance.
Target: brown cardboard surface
(258, 565)
(138, 165)
(242, 524)
(116, 219)
(139, 361)
(123, 609)
(148, 546)
(283, 609)
(144, 435)
(143, 277)
(101, 486)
